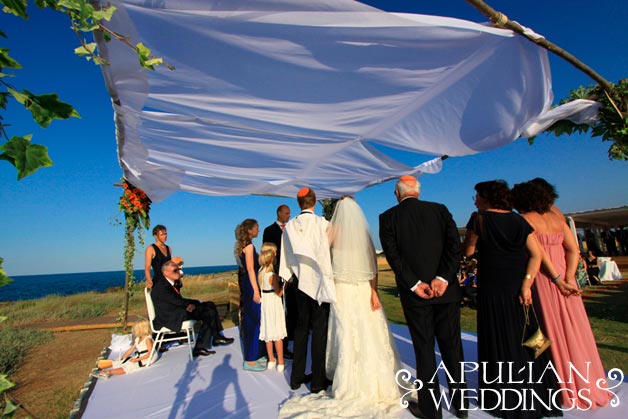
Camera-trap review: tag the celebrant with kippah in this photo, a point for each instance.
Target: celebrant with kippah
(305, 254)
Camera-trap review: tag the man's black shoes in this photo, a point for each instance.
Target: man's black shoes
(306, 379)
(202, 352)
(221, 340)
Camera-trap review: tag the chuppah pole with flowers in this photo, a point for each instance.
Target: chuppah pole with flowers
(135, 205)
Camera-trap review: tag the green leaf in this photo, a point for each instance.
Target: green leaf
(88, 26)
(4, 279)
(153, 62)
(45, 108)
(87, 49)
(143, 54)
(142, 49)
(4, 97)
(6, 61)
(104, 13)
(100, 61)
(46, 3)
(15, 7)
(10, 408)
(71, 4)
(5, 384)
(26, 157)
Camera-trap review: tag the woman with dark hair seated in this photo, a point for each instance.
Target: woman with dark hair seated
(593, 269)
(557, 299)
(508, 259)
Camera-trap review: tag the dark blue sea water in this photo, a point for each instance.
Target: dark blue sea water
(28, 287)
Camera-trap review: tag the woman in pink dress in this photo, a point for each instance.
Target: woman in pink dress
(557, 300)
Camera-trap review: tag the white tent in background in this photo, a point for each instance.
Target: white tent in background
(271, 95)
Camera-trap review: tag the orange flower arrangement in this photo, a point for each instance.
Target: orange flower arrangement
(136, 207)
(135, 203)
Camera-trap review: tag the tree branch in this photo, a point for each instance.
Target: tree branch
(502, 21)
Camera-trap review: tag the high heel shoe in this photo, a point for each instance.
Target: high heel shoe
(280, 367)
(271, 364)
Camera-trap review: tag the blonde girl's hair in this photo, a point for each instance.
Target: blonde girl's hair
(242, 238)
(267, 256)
(141, 329)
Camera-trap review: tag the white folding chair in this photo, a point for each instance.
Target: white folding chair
(164, 334)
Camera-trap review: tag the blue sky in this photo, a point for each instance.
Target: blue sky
(62, 219)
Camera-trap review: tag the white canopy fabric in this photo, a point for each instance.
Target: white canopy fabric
(272, 95)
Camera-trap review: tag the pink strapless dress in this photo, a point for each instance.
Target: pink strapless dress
(566, 323)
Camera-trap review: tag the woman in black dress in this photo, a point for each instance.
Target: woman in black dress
(156, 255)
(508, 259)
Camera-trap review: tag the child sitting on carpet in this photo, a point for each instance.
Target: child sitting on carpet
(273, 322)
(133, 359)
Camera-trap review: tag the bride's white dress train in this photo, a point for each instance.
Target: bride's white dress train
(362, 361)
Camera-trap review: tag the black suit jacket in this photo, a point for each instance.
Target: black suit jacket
(170, 307)
(272, 234)
(420, 241)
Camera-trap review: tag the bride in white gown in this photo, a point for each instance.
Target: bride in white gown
(362, 359)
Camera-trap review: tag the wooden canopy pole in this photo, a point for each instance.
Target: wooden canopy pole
(127, 279)
(500, 20)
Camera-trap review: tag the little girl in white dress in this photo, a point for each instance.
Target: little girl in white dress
(273, 321)
(135, 358)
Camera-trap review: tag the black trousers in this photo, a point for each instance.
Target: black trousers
(211, 326)
(440, 323)
(313, 315)
(292, 311)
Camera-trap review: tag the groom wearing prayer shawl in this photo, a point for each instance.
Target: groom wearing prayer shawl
(305, 254)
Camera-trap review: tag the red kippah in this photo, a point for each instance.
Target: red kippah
(303, 191)
(410, 180)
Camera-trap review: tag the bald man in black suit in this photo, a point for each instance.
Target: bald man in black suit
(422, 246)
(171, 309)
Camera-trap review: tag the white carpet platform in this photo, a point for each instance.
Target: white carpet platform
(217, 387)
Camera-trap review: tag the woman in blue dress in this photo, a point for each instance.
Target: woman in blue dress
(248, 266)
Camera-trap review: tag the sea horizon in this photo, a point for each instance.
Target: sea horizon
(28, 287)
